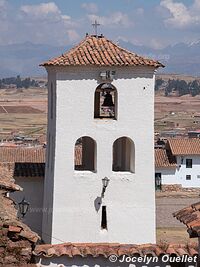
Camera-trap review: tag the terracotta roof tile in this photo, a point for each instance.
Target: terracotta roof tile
(162, 159)
(6, 178)
(107, 249)
(190, 216)
(97, 50)
(21, 154)
(31, 155)
(188, 146)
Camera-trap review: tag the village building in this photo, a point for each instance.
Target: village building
(179, 163)
(27, 166)
(16, 238)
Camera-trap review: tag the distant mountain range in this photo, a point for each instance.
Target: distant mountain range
(24, 59)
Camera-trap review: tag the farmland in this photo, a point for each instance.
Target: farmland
(23, 111)
(177, 113)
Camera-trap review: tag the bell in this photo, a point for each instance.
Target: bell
(108, 102)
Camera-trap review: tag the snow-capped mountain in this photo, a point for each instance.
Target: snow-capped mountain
(24, 59)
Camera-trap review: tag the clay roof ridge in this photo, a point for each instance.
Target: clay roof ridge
(190, 216)
(106, 249)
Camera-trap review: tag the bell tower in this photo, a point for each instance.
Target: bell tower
(99, 180)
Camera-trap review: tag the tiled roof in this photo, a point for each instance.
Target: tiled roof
(162, 159)
(107, 249)
(31, 155)
(180, 146)
(21, 154)
(13, 170)
(97, 50)
(190, 216)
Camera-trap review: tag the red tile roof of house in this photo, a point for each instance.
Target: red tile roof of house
(34, 155)
(31, 155)
(190, 216)
(180, 146)
(97, 50)
(107, 249)
(162, 160)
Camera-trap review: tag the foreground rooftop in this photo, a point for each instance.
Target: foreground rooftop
(107, 249)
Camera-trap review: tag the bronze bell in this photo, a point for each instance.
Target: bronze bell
(108, 101)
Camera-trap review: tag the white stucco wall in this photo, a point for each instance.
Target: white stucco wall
(33, 193)
(71, 194)
(194, 171)
(168, 175)
(178, 174)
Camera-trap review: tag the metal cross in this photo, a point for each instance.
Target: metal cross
(95, 25)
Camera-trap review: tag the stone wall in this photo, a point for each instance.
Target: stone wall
(179, 188)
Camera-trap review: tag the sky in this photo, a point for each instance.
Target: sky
(153, 23)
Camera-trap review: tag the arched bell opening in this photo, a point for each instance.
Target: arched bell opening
(123, 155)
(85, 154)
(105, 102)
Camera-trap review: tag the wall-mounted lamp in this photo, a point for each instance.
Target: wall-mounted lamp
(105, 182)
(182, 158)
(178, 167)
(23, 207)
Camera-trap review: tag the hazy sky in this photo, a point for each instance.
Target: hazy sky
(154, 23)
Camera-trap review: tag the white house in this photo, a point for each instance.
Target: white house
(99, 95)
(179, 163)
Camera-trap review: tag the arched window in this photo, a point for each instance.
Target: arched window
(105, 101)
(124, 155)
(85, 154)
